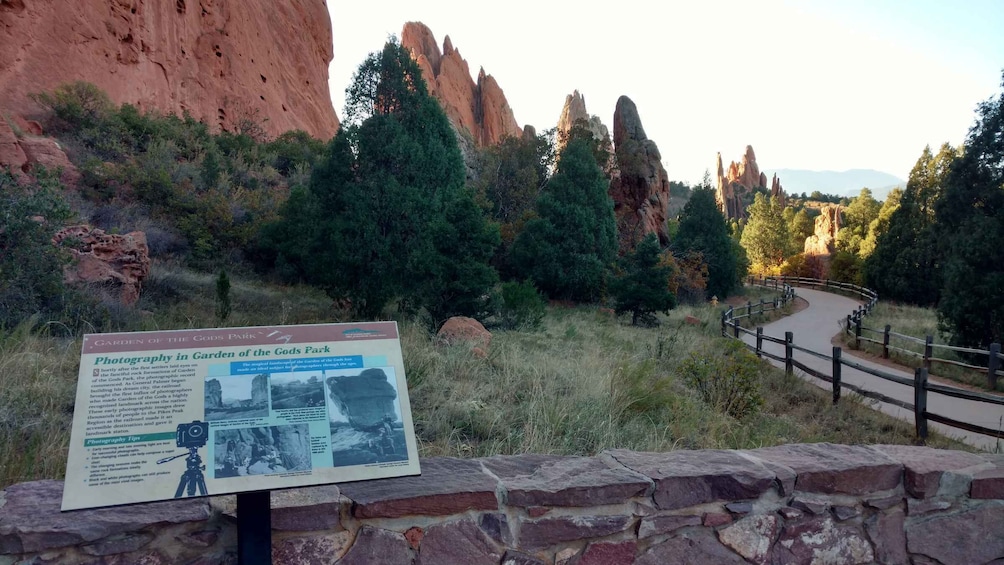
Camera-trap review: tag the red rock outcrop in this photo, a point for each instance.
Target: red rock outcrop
(777, 191)
(11, 154)
(460, 329)
(480, 108)
(824, 235)
(123, 260)
(574, 112)
(222, 61)
(739, 182)
(22, 155)
(641, 190)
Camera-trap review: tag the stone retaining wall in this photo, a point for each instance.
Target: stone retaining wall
(792, 504)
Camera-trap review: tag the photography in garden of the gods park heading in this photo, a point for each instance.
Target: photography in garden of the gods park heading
(173, 414)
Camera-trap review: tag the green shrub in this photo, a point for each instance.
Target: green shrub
(521, 306)
(31, 267)
(726, 378)
(76, 105)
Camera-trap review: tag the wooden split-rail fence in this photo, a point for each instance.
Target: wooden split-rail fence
(732, 326)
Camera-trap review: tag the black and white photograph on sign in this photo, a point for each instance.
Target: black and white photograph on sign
(297, 390)
(364, 410)
(261, 451)
(236, 397)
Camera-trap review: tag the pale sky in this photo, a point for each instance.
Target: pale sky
(809, 84)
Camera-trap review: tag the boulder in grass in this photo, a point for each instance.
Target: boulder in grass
(460, 329)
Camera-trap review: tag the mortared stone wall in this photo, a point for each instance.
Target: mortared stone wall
(792, 504)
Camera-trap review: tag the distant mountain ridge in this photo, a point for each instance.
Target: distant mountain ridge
(841, 183)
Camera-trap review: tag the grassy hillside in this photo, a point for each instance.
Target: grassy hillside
(583, 383)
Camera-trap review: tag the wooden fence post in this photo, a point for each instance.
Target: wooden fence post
(836, 375)
(847, 329)
(724, 312)
(928, 352)
(857, 330)
(759, 341)
(761, 306)
(789, 368)
(993, 364)
(749, 310)
(735, 327)
(885, 341)
(920, 402)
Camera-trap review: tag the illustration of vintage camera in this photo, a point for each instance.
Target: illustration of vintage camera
(191, 437)
(195, 434)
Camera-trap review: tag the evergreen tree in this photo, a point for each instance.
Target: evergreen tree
(510, 177)
(703, 230)
(906, 263)
(800, 228)
(388, 214)
(642, 287)
(765, 236)
(858, 216)
(568, 248)
(880, 224)
(971, 220)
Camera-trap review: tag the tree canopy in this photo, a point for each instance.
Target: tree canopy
(703, 231)
(970, 216)
(765, 237)
(906, 262)
(387, 214)
(642, 286)
(568, 248)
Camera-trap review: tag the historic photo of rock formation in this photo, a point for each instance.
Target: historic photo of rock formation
(261, 451)
(236, 396)
(297, 390)
(365, 416)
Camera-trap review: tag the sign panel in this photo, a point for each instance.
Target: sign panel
(172, 414)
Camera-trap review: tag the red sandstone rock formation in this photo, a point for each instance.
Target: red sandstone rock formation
(106, 258)
(575, 112)
(742, 179)
(824, 235)
(460, 329)
(641, 190)
(777, 191)
(22, 155)
(222, 61)
(480, 108)
(11, 154)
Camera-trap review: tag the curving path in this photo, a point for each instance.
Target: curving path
(816, 325)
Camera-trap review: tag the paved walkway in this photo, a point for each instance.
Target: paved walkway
(813, 329)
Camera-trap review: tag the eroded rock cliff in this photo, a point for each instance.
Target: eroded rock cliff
(479, 107)
(574, 112)
(222, 61)
(119, 260)
(641, 189)
(736, 184)
(824, 234)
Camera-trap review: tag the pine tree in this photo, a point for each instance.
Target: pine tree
(388, 214)
(906, 263)
(765, 237)
(568, 249)
(970, 219)
(703, 231)
(642, 287)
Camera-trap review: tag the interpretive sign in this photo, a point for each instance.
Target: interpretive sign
(172, 414)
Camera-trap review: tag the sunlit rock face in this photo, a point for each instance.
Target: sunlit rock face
(478, 109)
(221, 61)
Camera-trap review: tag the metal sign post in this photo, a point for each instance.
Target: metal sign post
(254, 528)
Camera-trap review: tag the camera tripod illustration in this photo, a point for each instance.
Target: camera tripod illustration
(192, 437)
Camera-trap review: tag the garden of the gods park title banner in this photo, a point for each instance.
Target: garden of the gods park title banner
(174, 414)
